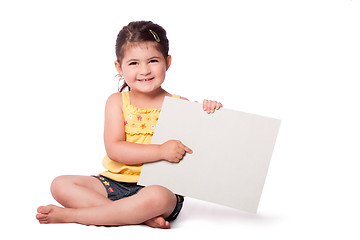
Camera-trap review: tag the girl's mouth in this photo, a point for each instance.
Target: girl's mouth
(145, 79)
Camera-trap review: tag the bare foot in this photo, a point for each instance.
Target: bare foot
(158, 222)
(51, 214)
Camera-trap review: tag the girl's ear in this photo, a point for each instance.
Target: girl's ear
(118, 67)
(168, 62)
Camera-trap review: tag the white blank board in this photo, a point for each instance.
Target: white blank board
(232, 152)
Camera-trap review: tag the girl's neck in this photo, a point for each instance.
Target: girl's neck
(148, 100)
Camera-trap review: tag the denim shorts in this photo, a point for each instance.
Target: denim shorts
(118, 190)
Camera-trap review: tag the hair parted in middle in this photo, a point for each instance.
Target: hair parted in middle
(137, 32)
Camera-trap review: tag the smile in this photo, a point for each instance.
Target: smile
(145, 80)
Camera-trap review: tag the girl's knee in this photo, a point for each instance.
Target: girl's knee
(59, 184)
(160, 197)
(59, 180)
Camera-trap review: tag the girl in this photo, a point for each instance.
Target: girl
(113, 197)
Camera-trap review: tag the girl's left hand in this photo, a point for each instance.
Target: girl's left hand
(210, 106)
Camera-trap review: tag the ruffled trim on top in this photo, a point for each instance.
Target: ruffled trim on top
(137, 110)
(132, 131)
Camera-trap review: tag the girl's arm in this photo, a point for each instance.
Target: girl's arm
(132, 153)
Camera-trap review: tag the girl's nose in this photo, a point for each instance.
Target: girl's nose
(144, 70)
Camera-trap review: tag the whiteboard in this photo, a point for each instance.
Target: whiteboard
(230, 159)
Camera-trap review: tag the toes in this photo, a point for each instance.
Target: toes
(45, 209)
(158, 222)
(42, 218)
(161, 223)
(40, 209)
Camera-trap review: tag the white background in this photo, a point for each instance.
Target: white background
(297, 61)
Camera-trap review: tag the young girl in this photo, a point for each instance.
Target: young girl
(113, 197)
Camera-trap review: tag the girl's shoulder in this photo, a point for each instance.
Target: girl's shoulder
(115, 100)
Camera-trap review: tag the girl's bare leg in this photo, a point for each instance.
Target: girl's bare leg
(73, 191)
(150, 205)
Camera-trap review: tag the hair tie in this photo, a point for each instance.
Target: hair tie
(157, 39)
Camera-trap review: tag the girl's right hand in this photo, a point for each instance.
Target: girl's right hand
(173, 151)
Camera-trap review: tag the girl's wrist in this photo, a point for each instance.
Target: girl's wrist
(159, 153)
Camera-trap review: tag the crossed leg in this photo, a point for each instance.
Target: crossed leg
(85, 201)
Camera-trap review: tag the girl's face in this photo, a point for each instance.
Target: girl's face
(143, 67)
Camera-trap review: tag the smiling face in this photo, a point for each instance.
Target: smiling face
(143, 67)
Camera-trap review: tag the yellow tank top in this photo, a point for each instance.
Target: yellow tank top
(139, 128)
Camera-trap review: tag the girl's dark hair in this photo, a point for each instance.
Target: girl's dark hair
(141, 31)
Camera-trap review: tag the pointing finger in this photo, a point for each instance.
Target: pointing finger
(188, 150)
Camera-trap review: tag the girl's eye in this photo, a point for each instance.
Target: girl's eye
(154, 61)
(132, 63)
